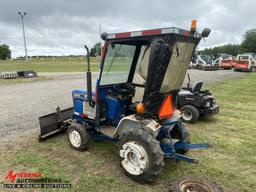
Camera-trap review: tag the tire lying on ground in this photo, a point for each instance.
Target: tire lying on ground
(195, 184)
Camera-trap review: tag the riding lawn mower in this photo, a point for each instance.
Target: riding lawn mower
(193, 102)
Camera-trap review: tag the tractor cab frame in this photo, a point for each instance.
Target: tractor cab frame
(134, 101)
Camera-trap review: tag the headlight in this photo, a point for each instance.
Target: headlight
(208, 104)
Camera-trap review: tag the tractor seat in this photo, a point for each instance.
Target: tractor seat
(197, 86)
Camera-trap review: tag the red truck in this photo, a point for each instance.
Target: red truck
(245, 62)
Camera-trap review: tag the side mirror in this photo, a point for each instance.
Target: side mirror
(206, 32)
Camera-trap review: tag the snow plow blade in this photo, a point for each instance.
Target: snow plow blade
(55, 122)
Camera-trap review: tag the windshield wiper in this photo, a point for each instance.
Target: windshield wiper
(113, 59)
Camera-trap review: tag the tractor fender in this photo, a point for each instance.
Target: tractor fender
(131, 121)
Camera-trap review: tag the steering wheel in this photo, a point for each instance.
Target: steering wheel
(124, 88)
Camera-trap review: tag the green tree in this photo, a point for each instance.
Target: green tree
(95, 50)
(97, 47)
(229, 49)
(249, 42)
(5, 52)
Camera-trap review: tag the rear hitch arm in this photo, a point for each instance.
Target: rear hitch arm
(188, 146)
(179, 157)
(170, 150)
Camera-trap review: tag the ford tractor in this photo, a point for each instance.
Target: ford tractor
(134, 100)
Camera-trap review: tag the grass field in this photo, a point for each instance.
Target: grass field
(70, 64)
(48, 65)
(231, 162)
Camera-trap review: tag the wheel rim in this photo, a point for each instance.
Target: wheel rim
(194, 185)
(187, 115)
(135, 158)
(75, 138)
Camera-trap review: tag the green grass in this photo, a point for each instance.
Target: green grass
(231, 162)
(47, 65)
(74, 64)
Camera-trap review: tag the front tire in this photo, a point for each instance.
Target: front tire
(78, 137)
(190, 114)
(140, 155)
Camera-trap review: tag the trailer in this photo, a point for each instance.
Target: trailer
(9, 75)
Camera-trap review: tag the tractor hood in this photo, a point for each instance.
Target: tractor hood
(81, 94)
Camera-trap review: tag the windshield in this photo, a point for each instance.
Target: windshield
(243, 58)
(117, 64)
(207, 58)
(227, 57)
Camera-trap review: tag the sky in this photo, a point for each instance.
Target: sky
(62, 27)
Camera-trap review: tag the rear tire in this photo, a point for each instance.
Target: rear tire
(78, 137)
(140, 155)
(190, 114)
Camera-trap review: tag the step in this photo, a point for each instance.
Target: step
(108, 130)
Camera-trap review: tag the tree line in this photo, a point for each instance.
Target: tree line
(248, 45)
(5, 52)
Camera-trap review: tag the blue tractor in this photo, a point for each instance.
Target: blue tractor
(134, 102)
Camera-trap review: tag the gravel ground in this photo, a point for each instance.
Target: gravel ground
(22, 104)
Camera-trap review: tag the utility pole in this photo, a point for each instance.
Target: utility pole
(24, 35)
(100, 41)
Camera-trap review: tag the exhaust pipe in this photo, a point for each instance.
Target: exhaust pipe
(88, 78)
